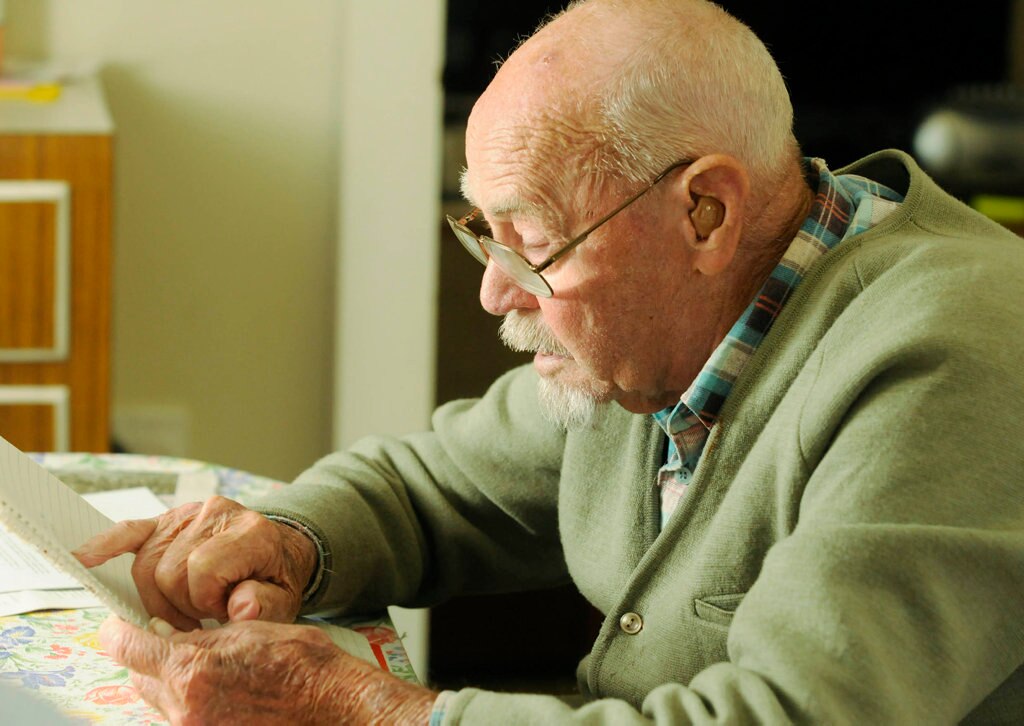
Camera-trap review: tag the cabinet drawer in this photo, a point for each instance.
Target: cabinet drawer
(34, 270)
(35, 418)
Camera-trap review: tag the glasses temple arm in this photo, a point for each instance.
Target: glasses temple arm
(586, 233)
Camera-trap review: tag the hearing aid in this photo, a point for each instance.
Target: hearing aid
(707, 216)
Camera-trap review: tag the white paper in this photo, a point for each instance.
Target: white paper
(29, 601)
(50, 516)
(44, 512)
(22, 567)
(350, 641)
(195, 486)
(130, 503)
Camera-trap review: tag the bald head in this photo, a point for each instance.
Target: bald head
(538, 116)
(622, 88)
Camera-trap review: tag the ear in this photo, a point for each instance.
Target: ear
(716, 188)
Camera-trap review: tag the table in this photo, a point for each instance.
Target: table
(57, 653)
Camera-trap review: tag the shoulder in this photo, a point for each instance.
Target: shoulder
(933, 269)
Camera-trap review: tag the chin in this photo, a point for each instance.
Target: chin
(571, 398)
(569, 374)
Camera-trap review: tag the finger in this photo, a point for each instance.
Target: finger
(126, 536)
(249, 550)
(161, 627)
(208, 557)
(160, 608)
(133, 647)
(154, 600)
(256, 600)
(153, 554)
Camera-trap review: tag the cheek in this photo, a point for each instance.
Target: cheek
(562, 319)
(589, 335)
(587, 315)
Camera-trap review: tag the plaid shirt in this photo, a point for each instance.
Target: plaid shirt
(843, 207)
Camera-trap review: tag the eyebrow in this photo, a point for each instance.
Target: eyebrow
(502, 206)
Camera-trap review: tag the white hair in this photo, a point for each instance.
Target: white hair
(568, 406)
(695, 81)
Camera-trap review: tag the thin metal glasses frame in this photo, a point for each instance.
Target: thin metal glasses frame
(529, 276)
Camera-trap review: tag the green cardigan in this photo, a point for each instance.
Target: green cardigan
(850, 549)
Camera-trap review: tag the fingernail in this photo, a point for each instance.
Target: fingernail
(249, 610)
(161, 627)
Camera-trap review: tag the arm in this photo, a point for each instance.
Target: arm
(472, 505)
(898, 580)
(469, 507)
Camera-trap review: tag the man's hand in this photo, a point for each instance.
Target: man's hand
(260, 673)
(211, 560)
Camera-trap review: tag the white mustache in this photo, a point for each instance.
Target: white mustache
(528, 332)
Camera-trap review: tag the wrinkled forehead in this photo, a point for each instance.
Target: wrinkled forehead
(539, 164)
(533, 134)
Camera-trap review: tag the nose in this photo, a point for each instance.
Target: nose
(500, 295)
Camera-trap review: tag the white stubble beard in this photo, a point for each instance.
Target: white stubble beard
(568, 406)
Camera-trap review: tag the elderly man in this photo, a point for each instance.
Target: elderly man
(807, 503)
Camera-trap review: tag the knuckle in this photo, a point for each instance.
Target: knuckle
(184, 513)
(216, 505)
(204, 597)
(199, 560)
(169, 574)
(141, 570)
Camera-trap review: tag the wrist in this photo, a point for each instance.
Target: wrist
(413, 705)
(394, 702)
(357, 692)
(304, 553)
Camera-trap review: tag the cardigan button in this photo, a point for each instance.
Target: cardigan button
(631, 623)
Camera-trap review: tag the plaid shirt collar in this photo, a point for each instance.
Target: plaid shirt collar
(843, 207)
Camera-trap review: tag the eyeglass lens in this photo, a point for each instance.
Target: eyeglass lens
(510, 262)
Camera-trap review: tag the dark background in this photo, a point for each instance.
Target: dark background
(854, 92)
(861, 74)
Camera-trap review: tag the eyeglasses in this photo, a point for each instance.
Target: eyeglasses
(522, 272)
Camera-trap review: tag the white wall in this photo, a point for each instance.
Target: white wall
(226, 209)
(225, 197)
(389, 223)
(276, 181)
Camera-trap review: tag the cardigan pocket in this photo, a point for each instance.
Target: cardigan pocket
(718, 609)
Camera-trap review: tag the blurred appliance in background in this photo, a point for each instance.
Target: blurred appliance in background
(973, 142)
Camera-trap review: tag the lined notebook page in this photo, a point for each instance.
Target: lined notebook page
(52, 517)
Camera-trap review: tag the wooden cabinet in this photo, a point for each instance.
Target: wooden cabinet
(55, 260)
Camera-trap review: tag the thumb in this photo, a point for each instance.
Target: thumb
(126, 536)
(257, 600)
(133, 647)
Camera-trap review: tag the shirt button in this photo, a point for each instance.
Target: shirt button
(631, 623)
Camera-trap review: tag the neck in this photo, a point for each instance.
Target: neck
(777, 213)
(775, 220)
(777, 210)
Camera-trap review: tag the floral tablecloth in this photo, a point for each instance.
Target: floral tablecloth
(57, 653)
